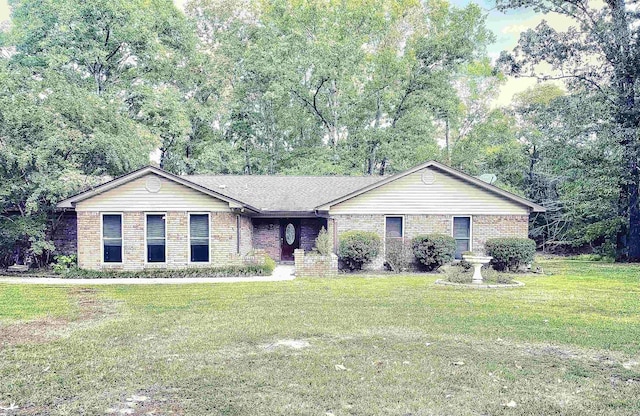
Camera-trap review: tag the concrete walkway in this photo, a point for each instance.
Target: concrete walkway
(282, 272)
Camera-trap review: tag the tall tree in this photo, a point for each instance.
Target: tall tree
(600, 54)
(361, 82)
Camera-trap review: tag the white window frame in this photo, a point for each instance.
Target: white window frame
(102, 214)
(208, 214)
(384, 236)
(453, 217)
(146, 245)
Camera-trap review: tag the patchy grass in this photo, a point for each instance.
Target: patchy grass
(24, 302)
(567, 343)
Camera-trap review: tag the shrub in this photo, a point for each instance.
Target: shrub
(269, 265)
(324, 245)
(357, 248)
(64, 263)
(510, 253)
(434, 250)
(398, 255)
(264, 269)
(459, 273)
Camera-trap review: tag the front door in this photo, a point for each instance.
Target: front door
(289, 238)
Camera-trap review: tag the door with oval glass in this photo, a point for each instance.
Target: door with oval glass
(289, 238)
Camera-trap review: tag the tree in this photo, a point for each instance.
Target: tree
(55, 138)
(361, 82)
(572, 166)
(600, 56)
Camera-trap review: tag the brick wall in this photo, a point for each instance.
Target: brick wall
(309, 229)
(315, 266)
(483, 228)
(89, 250)
(65, 235)
(246, 235)
(266, 236)
(223, 243)
(373, 223)
(492, 226)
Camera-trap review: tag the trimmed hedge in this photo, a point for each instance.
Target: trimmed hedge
(510, 253)
(224, 271)
(357, 248)
(434, 250)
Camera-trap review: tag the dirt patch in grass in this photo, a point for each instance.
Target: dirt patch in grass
(90, 309)
(146, 402)
(295, 344)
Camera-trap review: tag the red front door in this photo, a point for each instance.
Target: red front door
(289, 238)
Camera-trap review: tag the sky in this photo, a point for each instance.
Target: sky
(507, 28)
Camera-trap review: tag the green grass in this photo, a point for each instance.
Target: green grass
(24, 302)
(564, 344)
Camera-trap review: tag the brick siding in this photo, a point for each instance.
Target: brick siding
(483, 228)
(223, 242)
(65, 235)
(315, 266)
(309, 229)
(266, 236)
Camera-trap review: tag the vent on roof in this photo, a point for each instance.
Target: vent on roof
(222, 186)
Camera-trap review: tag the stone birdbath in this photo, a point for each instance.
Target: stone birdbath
(477, 262)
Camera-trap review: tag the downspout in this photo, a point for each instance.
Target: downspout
(238, 233)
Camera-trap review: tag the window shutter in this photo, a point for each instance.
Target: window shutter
(112, 227)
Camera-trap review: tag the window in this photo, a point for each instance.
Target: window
(199, 237)
(112, 238)
(394, 227)
(156, 238)
(462, 235)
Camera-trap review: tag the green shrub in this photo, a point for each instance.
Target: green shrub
(324, 245)
(510, 253)
(269, 265)
(398, 255)
(457, 273)
(263, 269)
(357, 248)
(434, 250)
(64, 263)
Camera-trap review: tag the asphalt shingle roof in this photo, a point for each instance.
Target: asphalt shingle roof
(283, 193)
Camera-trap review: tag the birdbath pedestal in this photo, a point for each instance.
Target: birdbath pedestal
(477, 262)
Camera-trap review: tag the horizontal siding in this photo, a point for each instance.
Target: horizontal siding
(447, 195)
(134, 196)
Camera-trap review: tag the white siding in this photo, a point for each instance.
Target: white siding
(134, 196)
(447, 195)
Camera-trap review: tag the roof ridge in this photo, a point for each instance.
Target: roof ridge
(288, 176)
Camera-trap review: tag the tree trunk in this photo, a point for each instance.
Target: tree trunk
(628, 119)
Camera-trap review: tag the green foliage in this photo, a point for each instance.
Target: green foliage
(398, 255)
(324, 243)
(600, 177)
(592, 257)
(268, 266)
(357, 248)
(64, 262)
(263, 269)
(459, 273)
(433, 250)
(510, 253)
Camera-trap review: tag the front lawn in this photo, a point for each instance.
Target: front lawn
(568, 343)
